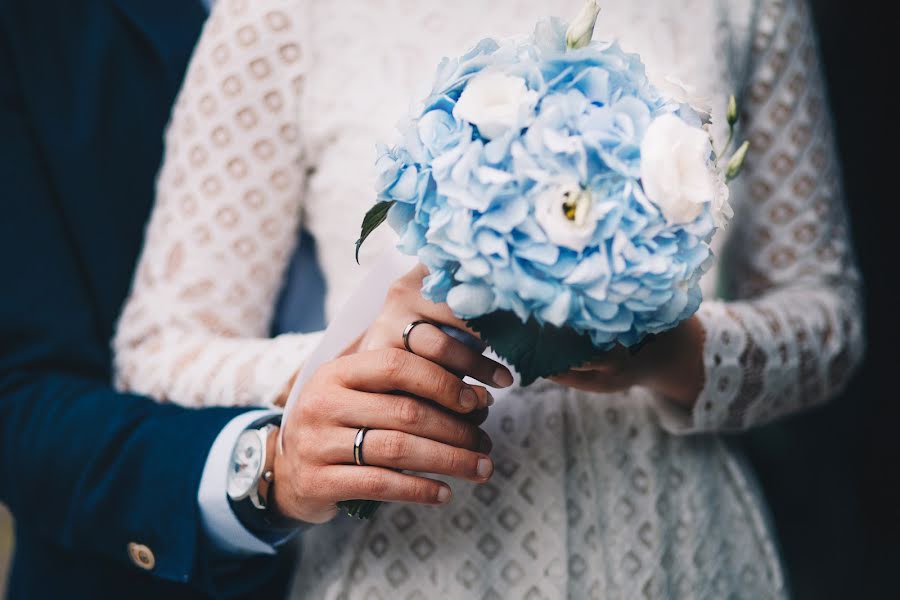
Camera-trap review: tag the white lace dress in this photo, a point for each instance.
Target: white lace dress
(594, 496)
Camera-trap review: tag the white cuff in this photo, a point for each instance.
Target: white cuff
(221, 525)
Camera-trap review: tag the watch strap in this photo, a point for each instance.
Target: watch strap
(265, 520)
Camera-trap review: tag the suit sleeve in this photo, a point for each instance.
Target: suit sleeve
(83, 468)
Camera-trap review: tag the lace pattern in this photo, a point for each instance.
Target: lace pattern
(593, 496)
(793, 331)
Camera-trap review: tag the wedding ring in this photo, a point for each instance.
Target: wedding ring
(409, 329)
(357, 446)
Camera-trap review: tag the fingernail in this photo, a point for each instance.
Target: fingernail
(468, 399)
(443, 495)
(484, 468)
(490, 398)
(502, 377)
(485, 443)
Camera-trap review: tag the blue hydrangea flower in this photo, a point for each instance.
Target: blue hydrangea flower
(531, 199)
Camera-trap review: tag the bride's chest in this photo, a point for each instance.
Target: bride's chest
(369, 60)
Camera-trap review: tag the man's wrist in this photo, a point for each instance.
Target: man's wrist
(268, 477)
(228, 535)
(266, 522)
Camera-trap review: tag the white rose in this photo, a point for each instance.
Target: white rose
(496, 103)
(566, 215)
(675, 169)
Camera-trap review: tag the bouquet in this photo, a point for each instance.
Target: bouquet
(561, 202)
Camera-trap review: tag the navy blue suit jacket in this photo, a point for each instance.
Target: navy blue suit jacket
(85, 91)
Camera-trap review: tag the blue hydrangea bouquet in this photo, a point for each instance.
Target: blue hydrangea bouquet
(561, 202)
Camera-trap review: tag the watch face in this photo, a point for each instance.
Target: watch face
(246, 464)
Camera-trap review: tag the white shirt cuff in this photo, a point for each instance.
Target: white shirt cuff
(221, 525)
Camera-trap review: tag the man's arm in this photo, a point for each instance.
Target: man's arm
(85, 468)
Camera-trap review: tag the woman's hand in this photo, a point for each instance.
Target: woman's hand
(405, 305)
(672, 364)
(421, 418)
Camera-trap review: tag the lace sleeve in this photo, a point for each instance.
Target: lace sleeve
(225, 222)
(792, 333)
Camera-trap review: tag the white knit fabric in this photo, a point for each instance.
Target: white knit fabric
(594, 496)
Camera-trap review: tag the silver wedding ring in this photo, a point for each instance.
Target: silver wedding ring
(409, 329)
(357, 446)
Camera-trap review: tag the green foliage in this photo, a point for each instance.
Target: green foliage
(375, 217)
(535, 351)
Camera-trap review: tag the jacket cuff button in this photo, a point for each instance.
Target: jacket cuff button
(141, 556)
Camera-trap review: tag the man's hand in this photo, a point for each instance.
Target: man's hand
(421, 418)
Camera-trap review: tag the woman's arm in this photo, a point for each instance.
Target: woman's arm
(793, 332)
(194, 329)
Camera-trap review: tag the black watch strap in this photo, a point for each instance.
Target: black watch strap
(266, 524)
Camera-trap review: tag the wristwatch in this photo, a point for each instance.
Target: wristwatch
(250, 479)
(250, 468)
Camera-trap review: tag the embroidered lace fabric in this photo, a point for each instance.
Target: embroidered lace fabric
(602, 496)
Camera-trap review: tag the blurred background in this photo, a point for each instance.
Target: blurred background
(832, 476)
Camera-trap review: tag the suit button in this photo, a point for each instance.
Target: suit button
(141, 556)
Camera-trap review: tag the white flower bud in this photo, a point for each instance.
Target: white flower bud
(731, 114)
(580, 32)
(737, 162)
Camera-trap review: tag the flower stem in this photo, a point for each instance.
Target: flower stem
(728, 142)
(361, 509)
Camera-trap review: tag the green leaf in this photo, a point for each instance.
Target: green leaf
(375, 217)
(534, 350)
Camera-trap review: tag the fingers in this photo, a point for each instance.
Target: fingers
(413, 416)
(408, 291)
(594, 381)
(428, 341)
(390, 370)
(477, 417)
(399, 450)
(611, 361)
(351, 482)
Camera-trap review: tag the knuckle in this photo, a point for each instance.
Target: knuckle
(396, 290)
(457, 462)
(468, 436)
(448, 387)
(439, 345)
(395, 447)
(381, 326)
(410, 413)
(424, 491)
(326, 372)
(393, 362)
(312, 406)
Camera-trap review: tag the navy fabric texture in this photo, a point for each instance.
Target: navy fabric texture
(85, 91)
